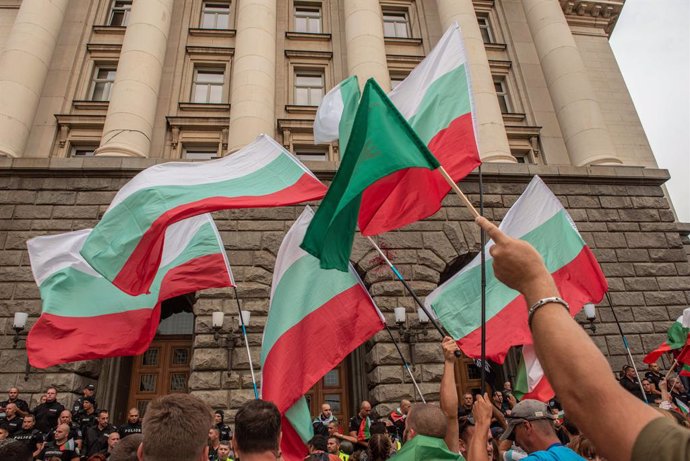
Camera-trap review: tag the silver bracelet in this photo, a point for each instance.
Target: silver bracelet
(542, 302)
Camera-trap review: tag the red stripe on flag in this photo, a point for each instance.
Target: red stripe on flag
(138, 272)
(56, 339)
(579, 282)
(416, 193)
(315, 345)
(657, 353)
(542, 392)
(291, 445)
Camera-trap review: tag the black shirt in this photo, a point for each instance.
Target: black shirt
(31, 438)
(654, 377)
(78, 406)
(129, 429)
(12, 425)
(85, 421)
(631, 386)
(96, 439)
(47, 415)
(225, 431)
(66, 451)
(21, 404)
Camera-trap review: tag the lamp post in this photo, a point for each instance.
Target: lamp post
(411, 333)
(232, 339)
(591, 315)
(19, 324)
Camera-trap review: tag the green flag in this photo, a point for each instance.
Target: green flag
(381, 143)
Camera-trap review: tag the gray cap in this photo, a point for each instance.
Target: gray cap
(527, 410)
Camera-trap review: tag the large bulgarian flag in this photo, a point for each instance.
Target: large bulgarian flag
(316, 318)
(436, 100)
(381, 144)
(86, 317)
(125, 247)
(531, 383)
(538, 218)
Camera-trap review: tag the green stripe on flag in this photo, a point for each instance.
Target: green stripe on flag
(677, 335)
(458, 306)
(300, 419)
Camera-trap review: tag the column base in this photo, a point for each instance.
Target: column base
(114, 150)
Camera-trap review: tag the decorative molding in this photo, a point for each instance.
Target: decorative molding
(219, 33)
(104, 47)
(403, 41)
(300, 109)
(597, 14)
(309, 54)
(308, 37)
(86, 104)
(495, 46)
(114, 30)
(210, 50)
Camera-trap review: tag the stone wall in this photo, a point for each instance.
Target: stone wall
(621, 213)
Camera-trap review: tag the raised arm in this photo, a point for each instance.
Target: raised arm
(449, 394)
(481, 411)
(607, 414)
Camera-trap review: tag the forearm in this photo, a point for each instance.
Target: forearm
(477, 449)
(500, 418)
(449, 405)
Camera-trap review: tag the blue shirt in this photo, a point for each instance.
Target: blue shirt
(555, 452)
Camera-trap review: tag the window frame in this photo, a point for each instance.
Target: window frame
(95, 81)
(125, 9)
(210, 4)
(308, 72)
(198, 151)
(311, 153)
(485, 27)
(397, 13)
(308, 19)
(210, 70)
(503, 95)
(75, 148)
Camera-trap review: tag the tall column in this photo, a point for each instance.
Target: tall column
(24, 63)
(253, 90)
(132, 109)
(493, 141)
(366, 48)
(582, 124)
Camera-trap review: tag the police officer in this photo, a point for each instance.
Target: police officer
(223, 429)
(88, 391)
(133, 425)
(87, 417)
(13, 397)
(30, 436)
(96, 437)
(12, 422)
(74, 429)
(48, 412)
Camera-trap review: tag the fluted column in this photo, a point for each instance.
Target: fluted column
(579, 115)
(132, 109)
(493, 141)
(366, 49)
(253, 93)
(24, 63)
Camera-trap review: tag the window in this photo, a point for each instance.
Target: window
(208, 86)
(200, 153)
(215, 15)
(102, 83)
(119, 12)
(83, 151)
(312, 153)
(308, 88)
(308, 19)
(485, 29)
(396, 24)
(502, 95)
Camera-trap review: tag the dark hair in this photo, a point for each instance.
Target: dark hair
(319, 442)
(379, 448)
(378, 427)
(97, 457)
(100, 412)
(257, 427)
(126, 450)
(346, 447)
(14, 450)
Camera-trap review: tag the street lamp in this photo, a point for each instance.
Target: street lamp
(232, 339)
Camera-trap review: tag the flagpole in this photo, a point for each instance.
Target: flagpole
(627, 347)
(457, 190)
(246, 342)
(405, 364)
(675, 362)
(483, 283)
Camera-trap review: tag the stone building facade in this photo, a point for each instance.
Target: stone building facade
(108, 88)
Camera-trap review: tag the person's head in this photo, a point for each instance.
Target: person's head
(223, 450)
(332, 428)
(11, 410)
(96, 457)
(88, 404)
(379, 448)
(257, 428)
(378, 427)
(317, 443)
(647, 386)
(14, 450)
(43, 399)
(89, 390)
(654, 367)
(65, 417)
(213, 435)
(629, 372)
(13, 393)
(326, 410)
(61, 433)
(347, 447)
(508, 386)
(113, 439)
(467, 400)
(4, 433)
(425, 419)
(333, 445)
(405, 406)
(126, 449)
(364, 409)
(29, 422)
(103, 418)
(530, 425)
(218, 417)
(51, 394)
(176, 427)
(498, 397)
(133, 416)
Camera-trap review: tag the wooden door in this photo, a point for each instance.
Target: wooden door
(467, 377)
(332, 389)
(163, 369)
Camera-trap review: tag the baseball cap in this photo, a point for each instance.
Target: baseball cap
(527, 410)
(90, 387)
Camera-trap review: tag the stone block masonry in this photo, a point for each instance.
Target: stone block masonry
(625, 218)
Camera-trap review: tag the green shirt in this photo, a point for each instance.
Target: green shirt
(426, 448)
(662, 440)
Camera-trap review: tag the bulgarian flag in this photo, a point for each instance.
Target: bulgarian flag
(86, 317)
(126, 245)
(677, 337)
(531, 382)
(336, 113)
(381, 144)
(316, 318)
(538, 218)
(436, 101)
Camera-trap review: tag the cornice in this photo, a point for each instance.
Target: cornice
(597, 14)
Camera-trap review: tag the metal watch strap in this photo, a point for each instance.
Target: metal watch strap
(543, 302)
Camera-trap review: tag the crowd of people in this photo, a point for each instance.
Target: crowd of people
(596, 417)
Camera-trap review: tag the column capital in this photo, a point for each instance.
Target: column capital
(597, 14)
